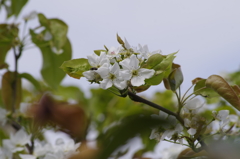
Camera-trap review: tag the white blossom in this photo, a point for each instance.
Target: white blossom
(97, 61)
(132, 71)
(111, 76)
(145, 53)
(17, 141)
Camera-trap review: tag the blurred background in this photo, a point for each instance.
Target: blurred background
(206, 33)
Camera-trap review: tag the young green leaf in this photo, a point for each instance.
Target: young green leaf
(218, 84)
(50, 71)
(31, 79)
(16, 7)
(74, 68)
(201, 89)
(8, 34)
(98, 52)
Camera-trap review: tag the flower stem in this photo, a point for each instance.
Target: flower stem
(137, 98)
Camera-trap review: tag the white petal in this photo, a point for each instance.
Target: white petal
(146, 73)
(192, 131)
(178, 128)
(137, 80)
(90, 75)
(103, 72)
(126, 44)
(93, 60)
(120, 84)
(163, 115)
(126, 74)
(125, 64)
(194, 104)
(222, 114)
(115, 69)
(134, 62)
(187, 122)
(233, 118)
(26, 156)
(106, 83)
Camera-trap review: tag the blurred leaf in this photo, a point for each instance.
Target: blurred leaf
(218, 84)
(31, 79)
(200, 89)
(226, 107)
(114, 138)
(50, 71)
(98, 52)
(165, 99)
(74, 68)
(189, 153)
(57, 28)
(8, 90)
(16, 7)
(236, 89)
(71, 92)
(175, 78)
(8, 34)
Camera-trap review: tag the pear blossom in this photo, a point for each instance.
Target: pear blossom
(17, 141)
(97, 61)
(173, 128)
(192, 131)
(132, 71)
(111, 76)
(145, 53)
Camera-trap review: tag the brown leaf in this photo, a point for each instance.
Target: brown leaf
(70, 117)
(218, 84)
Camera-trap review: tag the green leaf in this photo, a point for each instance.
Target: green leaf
(10, 98)
(155, 79)
(129, 127)
(166, 62)
(74, 68)
(200, 89)
(175, 78)
(8, 34)
(50, 71)
(57, 28)
(31, 79)
(98, 52)
(153, 61)
(16, 7)
(71, 92)
(219, 85)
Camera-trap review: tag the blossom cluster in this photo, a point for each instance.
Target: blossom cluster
(120, 66)
(221, 122)
(17, 143)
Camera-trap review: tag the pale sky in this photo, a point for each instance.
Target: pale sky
(206, 33)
